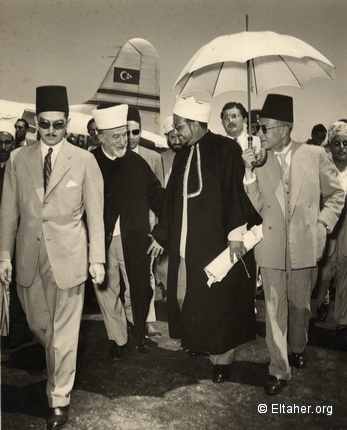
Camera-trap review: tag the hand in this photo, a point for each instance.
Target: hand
(5, 272)
(97, 272)
(249, 157)
(238, 248)
(155, 249)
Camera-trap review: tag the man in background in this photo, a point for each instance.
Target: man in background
(22, 127)
(334, 262)
(318, 135)
(135, 144)
(234, 122)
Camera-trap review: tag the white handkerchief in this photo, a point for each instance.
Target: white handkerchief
(71, 184)
(221, 265)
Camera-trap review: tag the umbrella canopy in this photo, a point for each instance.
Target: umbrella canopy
(274, 60)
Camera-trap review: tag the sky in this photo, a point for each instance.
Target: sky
(70, 42)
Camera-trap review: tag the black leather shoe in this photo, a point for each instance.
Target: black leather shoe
(322, 311)
(274, 385)
(298, 360)
(116, 352)
(58, 418)
(221, 373)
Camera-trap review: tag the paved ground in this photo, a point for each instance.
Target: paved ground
(167, 390)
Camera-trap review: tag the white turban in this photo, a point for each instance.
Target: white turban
(168, 124)
(189, 108)
(337, 127)
(7, 127)
(109, 118)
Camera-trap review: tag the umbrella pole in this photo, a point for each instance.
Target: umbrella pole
(250, 138)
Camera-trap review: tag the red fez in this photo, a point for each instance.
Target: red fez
(279, 107)
(52, 98)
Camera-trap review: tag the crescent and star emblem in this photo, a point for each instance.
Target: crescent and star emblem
(125, 76)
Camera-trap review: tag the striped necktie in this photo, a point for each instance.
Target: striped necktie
(47, 167)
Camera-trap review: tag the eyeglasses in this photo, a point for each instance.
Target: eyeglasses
(92, 132)
(264, 128)
(19, 127)
(338, 144)
(135, 132)
(178, 127)
(233, 116)
(57, 125)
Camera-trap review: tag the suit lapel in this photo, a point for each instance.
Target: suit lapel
(273, 171)
(35, 165)
(298, 170)
(61, 166)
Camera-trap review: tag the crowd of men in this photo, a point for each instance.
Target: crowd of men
(133, 218)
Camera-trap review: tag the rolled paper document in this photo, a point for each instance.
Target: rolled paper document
(220, 266)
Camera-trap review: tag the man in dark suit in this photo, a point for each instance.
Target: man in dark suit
(131, 189)
(287, 191)
(48, 186)
(22, 127)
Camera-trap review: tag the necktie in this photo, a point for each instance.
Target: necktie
(284, 171)
(47, 167)
(284, 165)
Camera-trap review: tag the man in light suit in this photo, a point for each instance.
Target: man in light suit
(47, 188)
(154, 161)
(287, 194)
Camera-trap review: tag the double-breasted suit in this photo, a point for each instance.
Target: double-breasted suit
(52, 252)
(294, 228)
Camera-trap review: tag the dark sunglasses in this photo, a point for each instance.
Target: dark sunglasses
(338, 144)
(57, 125)
(264, 129)
(135, 132)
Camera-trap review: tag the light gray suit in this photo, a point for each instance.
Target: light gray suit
(51, 249)
(294, 239)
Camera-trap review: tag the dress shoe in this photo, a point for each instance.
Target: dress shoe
(274, 385)
(221, 373)
(322, 311)
(58, 418)
(298, 360)
(152, 332)
(116, 352)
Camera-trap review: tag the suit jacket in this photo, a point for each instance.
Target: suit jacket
(312, 175)
(27, 215)
(154, 161)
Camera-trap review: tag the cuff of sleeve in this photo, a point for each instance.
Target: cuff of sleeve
(250, 180)
(237, 233)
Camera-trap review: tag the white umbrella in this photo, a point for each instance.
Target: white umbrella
(253, 61)
(274, 60)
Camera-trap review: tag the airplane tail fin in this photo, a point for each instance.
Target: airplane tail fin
(133, 79)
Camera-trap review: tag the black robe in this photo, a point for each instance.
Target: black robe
(219, 318)
(131, 189)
